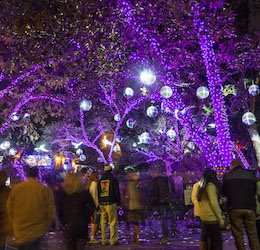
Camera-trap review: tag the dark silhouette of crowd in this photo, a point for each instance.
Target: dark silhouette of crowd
(30, 208)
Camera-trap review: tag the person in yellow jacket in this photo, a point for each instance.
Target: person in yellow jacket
(31, 209)
(195, 200)
(209, 210)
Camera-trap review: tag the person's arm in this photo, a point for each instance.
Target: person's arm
(213, 198)
(194, 194)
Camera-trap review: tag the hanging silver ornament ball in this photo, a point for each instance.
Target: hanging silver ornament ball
(119, 138)
(191, 145)
(117, 117)
(85, 105)
(128, 92)
(79, 151)
(145, 138)
(253, 90)
(83, 157)
(171, 134)
(12, 151)
(15, 117)
(248, 118)
(26, 116)
(166, 92)
(202, 92)
(152, 111)
(116, 149)
(131, 123)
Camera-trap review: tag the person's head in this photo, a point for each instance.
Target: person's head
(94, 176)
(3, 178)
(72, 184)
(210, 175)
(133, 176)
(154, 173)
(31, 172)
(108, 169)
(236, 163)
(84, 172)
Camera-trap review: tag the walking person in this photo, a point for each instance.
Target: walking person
(109, 201)
(134, 204)
(209, 211)
(75, 208)
(93, 190)
(239, 186)
(5, 224)
(161, 201)
(31, 209)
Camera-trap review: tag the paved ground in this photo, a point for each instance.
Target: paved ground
(185, 238)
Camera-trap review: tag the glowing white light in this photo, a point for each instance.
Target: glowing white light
(152, 111)
(134, 144)
(211, 125)
(131, 123)
(79, 151)
(145, 138)
(119, 138)
(253, 90)
(202, 92)
(42, 148)
(15, 117)
(76, 145)
(85, 105)
(128, 92)
(26, 116)
(83, 157)
(12, 151)
(166, 92)
(248, 118)
(171, 134)
(107, 142)
(117, 117)
(147, 77)
(116, 149)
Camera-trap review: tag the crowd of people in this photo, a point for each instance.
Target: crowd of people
(30, 208)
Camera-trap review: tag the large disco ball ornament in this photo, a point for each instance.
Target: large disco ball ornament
(85, 105)
(253, 90)
(116, 149)
(152, 111)
(202, 92)
(248, 118)
(166, 92)
(83, 157)
(117, 117)
(79, 151)
(145, 138)
(131, 123)
(171, 134)
(15, 117)
(128, 92)
(147, 77)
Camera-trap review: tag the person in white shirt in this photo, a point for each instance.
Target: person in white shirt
(93, 190)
